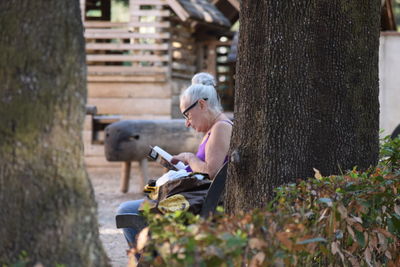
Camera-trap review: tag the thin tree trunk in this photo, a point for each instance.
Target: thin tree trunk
(306, 94)
(47, 202)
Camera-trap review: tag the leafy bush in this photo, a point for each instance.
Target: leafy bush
(351, 219)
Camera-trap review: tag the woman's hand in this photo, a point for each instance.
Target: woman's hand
(185, 157)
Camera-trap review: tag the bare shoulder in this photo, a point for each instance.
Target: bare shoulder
(224, 124)
(222, 127)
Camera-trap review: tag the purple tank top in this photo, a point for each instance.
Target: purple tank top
(201, 151)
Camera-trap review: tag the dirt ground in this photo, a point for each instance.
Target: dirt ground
(106, 184)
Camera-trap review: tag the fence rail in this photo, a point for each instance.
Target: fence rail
(140, 46)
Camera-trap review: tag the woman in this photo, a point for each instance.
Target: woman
(202, 110)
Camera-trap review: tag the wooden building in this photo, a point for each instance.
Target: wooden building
(142, 53)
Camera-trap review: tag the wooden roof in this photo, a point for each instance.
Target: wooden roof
(230, 8)
(199, 10)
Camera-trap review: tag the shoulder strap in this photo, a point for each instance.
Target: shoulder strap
(228, 121)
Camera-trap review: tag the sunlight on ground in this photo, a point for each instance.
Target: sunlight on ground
(110, 231)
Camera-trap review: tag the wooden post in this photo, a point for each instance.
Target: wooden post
(212, 59)
(83, 10)
(134, 7)
(125, 175)
(144, 173)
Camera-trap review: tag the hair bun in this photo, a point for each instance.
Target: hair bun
(204, 79)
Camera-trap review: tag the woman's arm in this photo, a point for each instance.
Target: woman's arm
(217, 148)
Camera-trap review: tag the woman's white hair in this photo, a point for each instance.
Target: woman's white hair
(204, 78)
(201, 91)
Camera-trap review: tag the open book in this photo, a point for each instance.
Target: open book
(164, 158)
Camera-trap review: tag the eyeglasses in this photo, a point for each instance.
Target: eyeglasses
(185, 112)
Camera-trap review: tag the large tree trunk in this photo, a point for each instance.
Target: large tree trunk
(47, 202)
(306, 94)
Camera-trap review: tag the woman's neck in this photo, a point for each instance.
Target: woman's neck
(214, 117)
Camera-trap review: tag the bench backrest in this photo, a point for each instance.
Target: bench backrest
(214, 193)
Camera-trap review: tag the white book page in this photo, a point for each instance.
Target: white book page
(180, 165)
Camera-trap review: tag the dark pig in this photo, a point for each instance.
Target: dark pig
(130, 140)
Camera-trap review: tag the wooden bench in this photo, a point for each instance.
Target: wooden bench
(211, 202)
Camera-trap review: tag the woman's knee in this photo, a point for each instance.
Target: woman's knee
(129, 207)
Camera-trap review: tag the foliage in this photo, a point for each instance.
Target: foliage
(396, 11)
(351, 219)
(24, 260)
(390, 154)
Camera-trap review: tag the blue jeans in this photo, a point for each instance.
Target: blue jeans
(130, 207)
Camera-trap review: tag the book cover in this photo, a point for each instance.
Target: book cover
(164, 158)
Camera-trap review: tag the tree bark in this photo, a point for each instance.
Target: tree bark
(306, 94)
(47, 201)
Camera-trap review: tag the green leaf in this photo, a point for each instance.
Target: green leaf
(351, 186)
(280, 254)
(394, 224)
(365, 203)
(312, 240)
(235, 242)
(360, 238)
(326, 200)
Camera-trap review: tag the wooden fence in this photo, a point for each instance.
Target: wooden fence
(138, 47)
